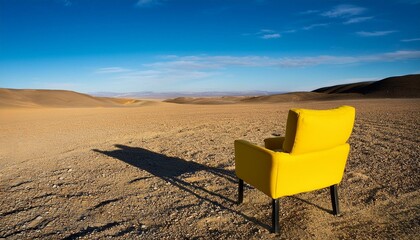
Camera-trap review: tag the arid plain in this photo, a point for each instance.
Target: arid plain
(166, 171)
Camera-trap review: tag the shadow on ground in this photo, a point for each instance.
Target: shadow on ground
(171, 169)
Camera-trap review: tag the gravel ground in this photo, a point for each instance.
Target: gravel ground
(166, 171)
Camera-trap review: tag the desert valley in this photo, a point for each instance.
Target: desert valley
(75, 166)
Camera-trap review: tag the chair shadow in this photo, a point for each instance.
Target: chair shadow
(312, 204)
(170, 170)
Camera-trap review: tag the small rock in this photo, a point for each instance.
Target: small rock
(35, 222)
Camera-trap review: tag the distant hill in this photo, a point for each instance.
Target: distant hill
(57, 98)
(407, 86)
(394, 87)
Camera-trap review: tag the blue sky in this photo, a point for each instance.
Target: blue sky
(205, 45)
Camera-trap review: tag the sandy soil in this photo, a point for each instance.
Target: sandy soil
(165, 171)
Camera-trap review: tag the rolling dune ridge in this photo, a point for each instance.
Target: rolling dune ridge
(395, 87)
(11, 98)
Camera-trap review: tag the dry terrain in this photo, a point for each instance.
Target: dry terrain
(166, 171)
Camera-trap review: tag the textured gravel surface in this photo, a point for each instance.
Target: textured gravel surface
(166, 171)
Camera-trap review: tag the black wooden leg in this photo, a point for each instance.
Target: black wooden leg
(241, 191)
(334, 199)
(275, 216)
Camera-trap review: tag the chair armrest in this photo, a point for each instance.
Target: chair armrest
(256, 165)
(310, 171)
(274, 143)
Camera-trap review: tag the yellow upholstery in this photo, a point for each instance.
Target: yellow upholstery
(314, 153)
(312, 130)
(274, 143)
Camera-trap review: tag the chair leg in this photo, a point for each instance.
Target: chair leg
(334, 199)
(275, 216)
(241, 191)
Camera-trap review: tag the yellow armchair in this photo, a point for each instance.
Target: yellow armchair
(311, 156)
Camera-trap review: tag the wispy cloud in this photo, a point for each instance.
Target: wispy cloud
(410, 40)
(202, 63)
(317, 25)
(263, 61)
(290, 31)
(344, 11)
(349, 14)
(375, 33)
(263, 31)
(357, 20)
(265, 34)
(173, 69)
(111, 70)
(271, 36)
(186, 64)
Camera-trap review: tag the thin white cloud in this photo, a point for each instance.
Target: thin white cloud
(357, 20)
(271, 36)
(344, 11)
(317, 25)
(263, 31)
(213, 62)
(398, 55)
(219, 62)
(174, 69)
(410, 40)
(111, 70)
(374, 33)
(290, 31)
(265, 34)
(184, 64)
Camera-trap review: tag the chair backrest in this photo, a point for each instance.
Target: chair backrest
(314, 130)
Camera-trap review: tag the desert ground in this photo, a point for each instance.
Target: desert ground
(166, 171)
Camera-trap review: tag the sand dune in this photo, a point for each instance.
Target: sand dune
(58, 98)
(394, 87)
